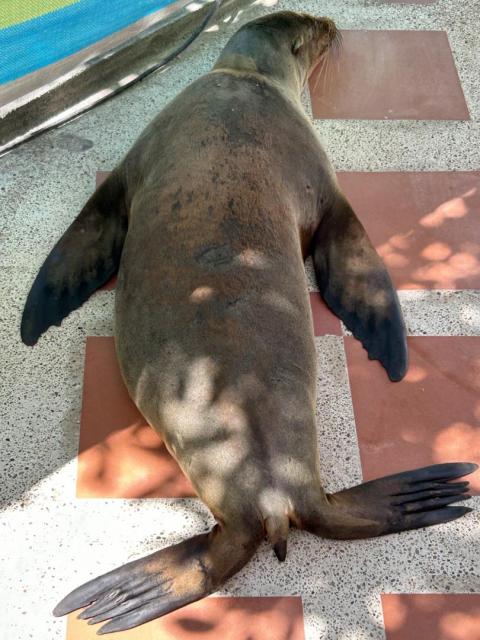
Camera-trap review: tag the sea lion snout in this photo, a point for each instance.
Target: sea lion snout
(323, 35)
(325, 30)
(328, 26)
(328, 33)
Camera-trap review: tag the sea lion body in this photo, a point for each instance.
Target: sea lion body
(218, 232)
(208, 220)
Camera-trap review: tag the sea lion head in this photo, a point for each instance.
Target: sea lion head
(309, 37)
(284, 46)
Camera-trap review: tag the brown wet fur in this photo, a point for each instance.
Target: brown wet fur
(213, 325)
(227, 192)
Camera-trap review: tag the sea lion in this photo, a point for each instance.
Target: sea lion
(208, 220)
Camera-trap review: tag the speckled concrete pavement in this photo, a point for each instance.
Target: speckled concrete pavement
(50, 541)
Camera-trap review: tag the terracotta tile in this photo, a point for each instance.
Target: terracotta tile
(110, 285)
(432, 416)
(278, 618)
(381, 75)
(120, 456)
(425, 225)
(100, 177)
(432, 616)
(324, 321)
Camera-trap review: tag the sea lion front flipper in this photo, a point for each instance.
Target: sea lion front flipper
(403, 501)
(166, 580)
(356, 286)
(85, 258)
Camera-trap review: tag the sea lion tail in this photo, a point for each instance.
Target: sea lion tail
(277, 527)
(356, 286)
(84, 259)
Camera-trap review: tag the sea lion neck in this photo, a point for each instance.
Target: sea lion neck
(260, 51)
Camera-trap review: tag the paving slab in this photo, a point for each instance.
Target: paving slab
(431, 616)
(431, 416)
(380, 75)
(271, 618)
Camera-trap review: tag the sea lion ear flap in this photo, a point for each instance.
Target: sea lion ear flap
(356, 286)
(297, 45)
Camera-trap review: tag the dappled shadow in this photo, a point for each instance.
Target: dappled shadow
(278, 618)
(431, 616)
(424, 225)
(432, 416)
(130, 463)
(120, 456)
(262, 618)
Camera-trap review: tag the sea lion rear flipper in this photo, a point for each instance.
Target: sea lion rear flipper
(400, 502)
(164, 581)
(356, 286)
(85, 258)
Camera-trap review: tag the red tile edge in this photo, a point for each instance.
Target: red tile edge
(324, 321)
(431, 616)
(229, 618)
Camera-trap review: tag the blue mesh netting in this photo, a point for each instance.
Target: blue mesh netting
(40, 41)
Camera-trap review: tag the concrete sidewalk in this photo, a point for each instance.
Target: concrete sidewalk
(426, 228)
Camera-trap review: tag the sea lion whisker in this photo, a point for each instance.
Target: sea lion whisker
(336, 51)
(338, 41)
(318, 71)
(326, 73)
(321, 68)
